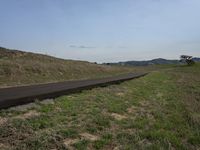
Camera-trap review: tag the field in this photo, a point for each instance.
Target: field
(158, 111)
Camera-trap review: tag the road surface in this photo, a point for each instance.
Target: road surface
(14, 96)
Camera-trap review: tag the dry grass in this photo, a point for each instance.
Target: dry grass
(28, 115)
(118, 116)
(21, 68)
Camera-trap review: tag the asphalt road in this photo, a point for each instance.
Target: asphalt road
(14, 96)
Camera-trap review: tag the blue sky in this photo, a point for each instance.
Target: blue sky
(102, 30)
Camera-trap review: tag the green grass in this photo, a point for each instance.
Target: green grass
(158, 111)
(81, 145)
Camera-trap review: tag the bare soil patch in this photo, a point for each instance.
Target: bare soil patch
(47, 101)
(118, 116)
(145, 103)
(90, 137)
(69, 142)
(120, 94)
(159, 95)
(3, 120)
(132, 109)
(28, 115)
(116, 148)
(3, 146)
(144, 142)
(24, 107)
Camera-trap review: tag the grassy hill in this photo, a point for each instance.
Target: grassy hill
(158, 111)
(19, 68)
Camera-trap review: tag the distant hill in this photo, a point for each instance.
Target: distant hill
(158, 61)
(196, 59)
(19, 68)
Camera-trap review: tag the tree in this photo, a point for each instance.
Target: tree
(187, 59)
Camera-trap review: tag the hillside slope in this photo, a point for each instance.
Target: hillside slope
(19, 68)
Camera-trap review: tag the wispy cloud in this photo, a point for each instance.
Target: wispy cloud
(122, 47)
(81, 46)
